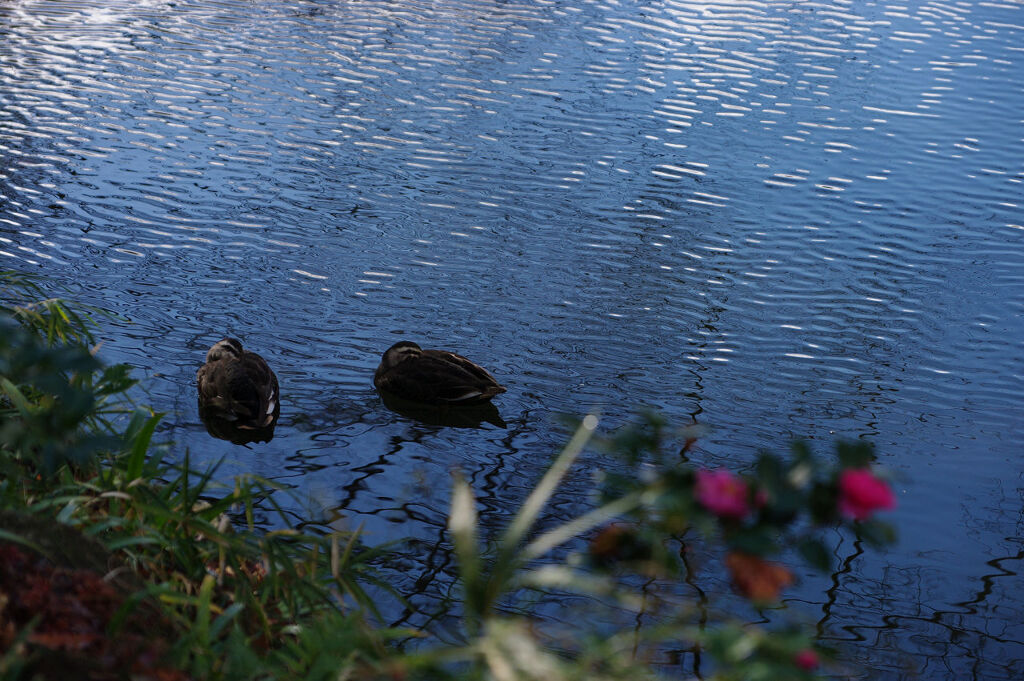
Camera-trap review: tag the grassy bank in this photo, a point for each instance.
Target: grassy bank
(118, 559)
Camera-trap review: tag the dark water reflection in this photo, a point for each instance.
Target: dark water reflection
(783, 219)
(469, 416)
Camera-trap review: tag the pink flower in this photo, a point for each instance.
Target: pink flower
(861, 493)
(722, 492)
(806, 659)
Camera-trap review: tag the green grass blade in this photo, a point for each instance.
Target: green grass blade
(540, 495)
(18, 539)
(579, 526)
(462, 523)
(140, 433)
(17, 398)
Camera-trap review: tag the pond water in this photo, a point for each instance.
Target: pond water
(781, 219)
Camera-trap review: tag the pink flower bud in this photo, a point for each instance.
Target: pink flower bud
(806, 659)
(861, 493)
(722, 492)
(761, 498)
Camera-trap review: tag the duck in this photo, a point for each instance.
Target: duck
(238, 386)
(433, 377)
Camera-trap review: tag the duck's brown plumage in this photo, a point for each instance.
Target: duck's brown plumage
(433, 376)
(238, 386)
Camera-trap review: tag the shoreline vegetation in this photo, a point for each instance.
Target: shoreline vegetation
(120, 560)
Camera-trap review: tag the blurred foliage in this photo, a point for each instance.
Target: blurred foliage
(55, 396)
(232, 598)
(53, 400)
(51, 319)
(791, 497)
(780, 507)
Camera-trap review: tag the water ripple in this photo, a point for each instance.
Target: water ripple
(783, 219)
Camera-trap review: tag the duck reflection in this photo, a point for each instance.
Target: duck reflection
(223, 429)
(454, 416)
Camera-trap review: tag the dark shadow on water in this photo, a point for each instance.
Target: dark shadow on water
(467, 416)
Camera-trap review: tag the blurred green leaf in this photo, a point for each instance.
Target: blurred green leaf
(760, 540)
(855, 454)
(876, 533)
(822, 503)
(16, 397)
(801, 452)
(769, 470)
(815, 553)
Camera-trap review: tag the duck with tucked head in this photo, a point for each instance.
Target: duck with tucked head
(237, 386)
(434, 377)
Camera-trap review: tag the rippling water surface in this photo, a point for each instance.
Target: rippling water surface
(780, 218)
